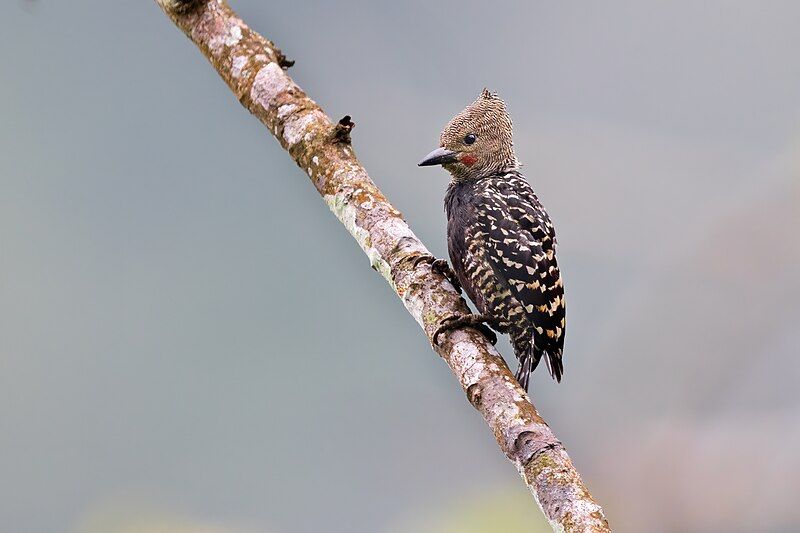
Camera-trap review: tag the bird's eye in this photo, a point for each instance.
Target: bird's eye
(469, 139)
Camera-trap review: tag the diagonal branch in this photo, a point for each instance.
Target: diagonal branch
(253, 67)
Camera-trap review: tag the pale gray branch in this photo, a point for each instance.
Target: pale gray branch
(254, 68)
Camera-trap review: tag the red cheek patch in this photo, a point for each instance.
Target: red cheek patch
(469, 160)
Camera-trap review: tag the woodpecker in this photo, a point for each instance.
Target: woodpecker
(501, 242)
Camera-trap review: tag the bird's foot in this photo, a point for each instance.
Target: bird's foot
(441, 267)
(473, 321)
(422, 258)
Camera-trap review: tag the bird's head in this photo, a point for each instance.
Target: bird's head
(477, 142)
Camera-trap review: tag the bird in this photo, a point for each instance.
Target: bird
(500, 239)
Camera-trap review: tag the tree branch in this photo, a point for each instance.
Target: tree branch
(253, 67)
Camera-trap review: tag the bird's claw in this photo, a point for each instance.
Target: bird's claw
(422, 258)
(472, 321)
(442, 267)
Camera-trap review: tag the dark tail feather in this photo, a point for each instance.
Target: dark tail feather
(524, 371)
(529, 362)
(554, 365)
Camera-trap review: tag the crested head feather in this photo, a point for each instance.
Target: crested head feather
(492, 150)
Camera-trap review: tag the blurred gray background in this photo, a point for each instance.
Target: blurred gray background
(189, 340)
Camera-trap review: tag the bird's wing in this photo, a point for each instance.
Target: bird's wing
(520, 242)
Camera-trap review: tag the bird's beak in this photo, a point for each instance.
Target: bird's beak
(440, 156)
